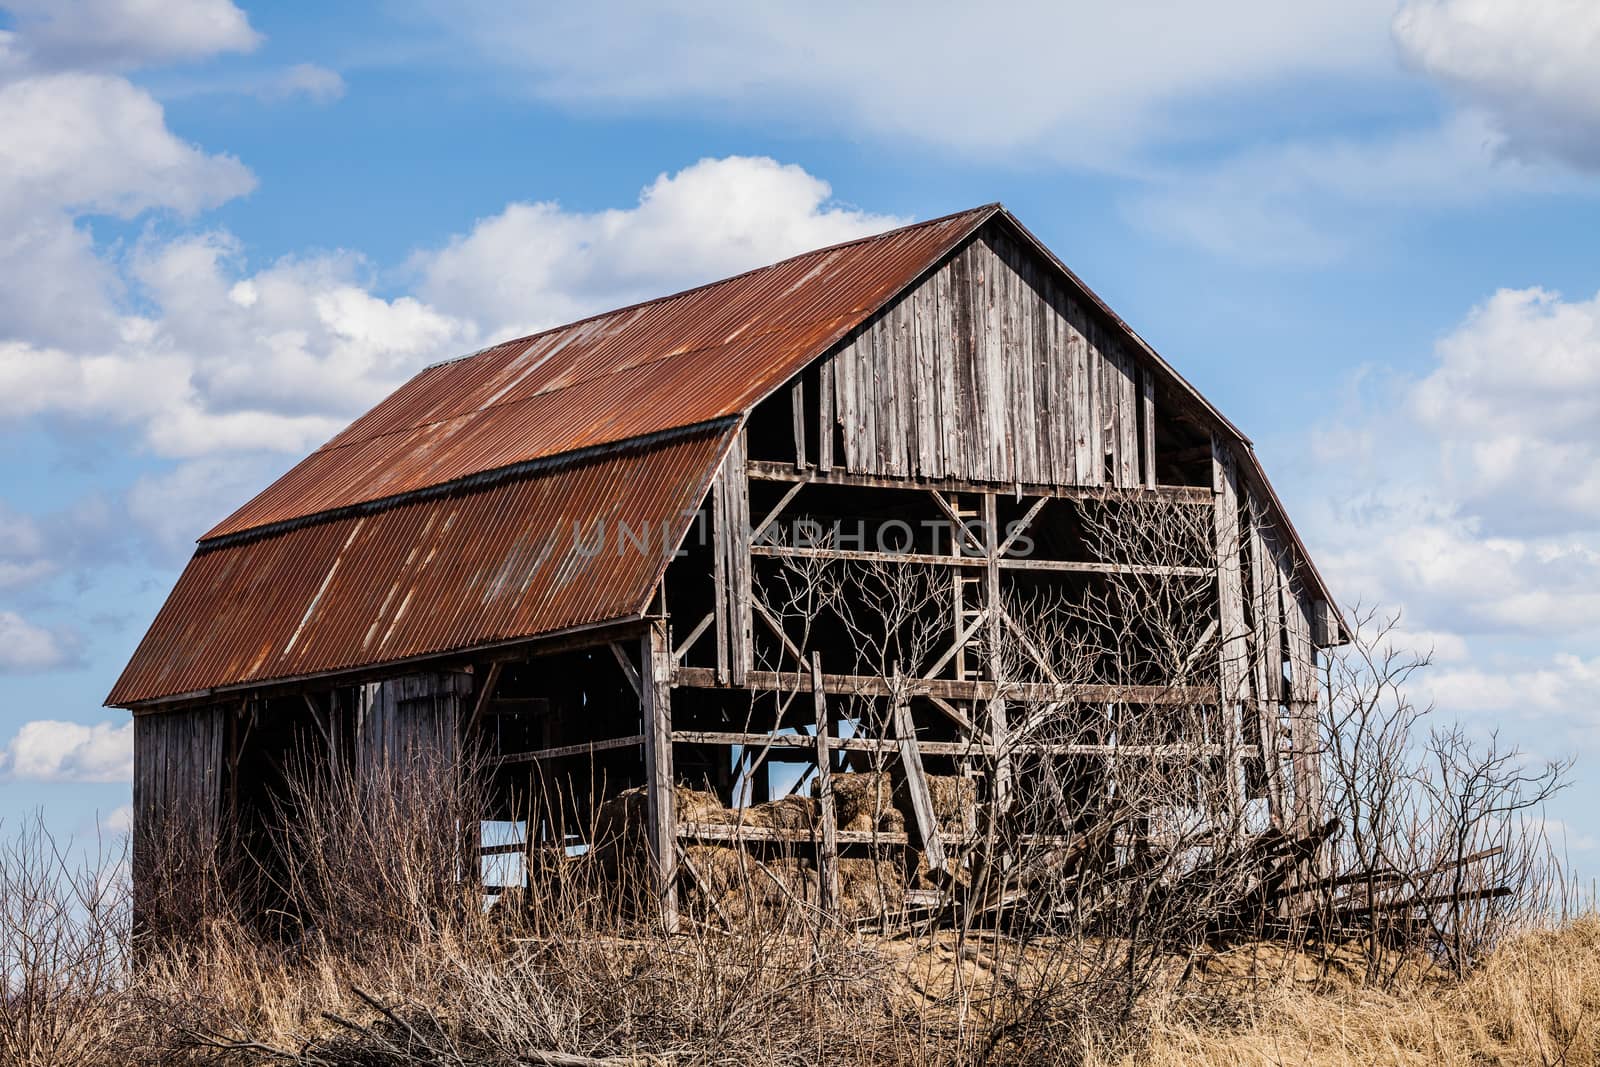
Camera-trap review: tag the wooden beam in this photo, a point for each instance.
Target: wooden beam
(958, 526)
(694, 635)
(954, 714)
(771, 516)
(1233, 634)
(586, 748)
(767, 471)
(485, 694)
(935, 560)
(628, 670)
(825, 418)
(1020, 527)
(952, 689)
(777, 629)
(1147, 424)
(949, 748)
(828, 856)
(958, 644)
(999, 730)
(656, 709)
(917, 787)
(797, 401)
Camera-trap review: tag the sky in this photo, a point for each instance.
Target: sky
(1365, 229)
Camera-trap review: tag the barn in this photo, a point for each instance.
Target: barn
(818, 518)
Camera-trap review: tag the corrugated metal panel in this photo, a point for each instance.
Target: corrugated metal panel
(465, 568)
(678, 361)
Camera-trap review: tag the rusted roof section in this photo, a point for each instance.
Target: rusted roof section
(463, 568)
(677, 361)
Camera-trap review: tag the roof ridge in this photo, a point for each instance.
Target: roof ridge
(990, 208)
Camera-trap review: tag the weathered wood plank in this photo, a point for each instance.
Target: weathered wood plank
(951, 689)
(656, 713)
(1233, 636)
(827, 817)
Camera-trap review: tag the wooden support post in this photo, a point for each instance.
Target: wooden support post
(828, 851)
(656, 706)
(797, 399)
(825, 418)
(905, 730)
(1268, 641)
(998, 731)
(1147, 419)
(1232, 635)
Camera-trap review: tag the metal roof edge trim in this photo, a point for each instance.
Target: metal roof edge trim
(160, 704)
(476, 480)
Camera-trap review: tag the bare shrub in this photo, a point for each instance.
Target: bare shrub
(64, 922)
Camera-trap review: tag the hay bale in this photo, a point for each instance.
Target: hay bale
(955, 801)
(785, 813)
(623, 818)
(878, 800)
(869, 887)
(866, 801)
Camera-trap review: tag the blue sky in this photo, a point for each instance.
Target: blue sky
(1365, 229)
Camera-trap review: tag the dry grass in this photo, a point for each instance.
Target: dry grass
(1535, 1000)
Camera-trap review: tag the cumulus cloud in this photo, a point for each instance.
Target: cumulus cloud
(229, 361)
(81, 144)
(1083, 81)
(1530, 67)
(537, 264)
(25, 647)
(1471, 503)
(1514, 401)
(48, 750)
(120, 34)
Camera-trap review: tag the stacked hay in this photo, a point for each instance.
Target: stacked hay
(866, 802)
(786, 813)
(869, 887)
(875, 801)
(728, 880)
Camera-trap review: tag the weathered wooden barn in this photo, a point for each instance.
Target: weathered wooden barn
(561, 550)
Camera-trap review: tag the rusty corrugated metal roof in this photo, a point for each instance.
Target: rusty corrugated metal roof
(434, 523)
(677, 361)
(463, 568)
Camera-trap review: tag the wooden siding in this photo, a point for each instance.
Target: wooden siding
(177, 793)
(410, 724)
(987, 370)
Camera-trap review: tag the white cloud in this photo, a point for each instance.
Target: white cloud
(79, 144)
(119, 34)
(1515, 403)
(1469, 500)
(1312, 201)
(119, 820)
(47, 750)
(231, 370)
(27, 647)
(1079, 81)
(536, 264)
(1530, 66)
(317, 83)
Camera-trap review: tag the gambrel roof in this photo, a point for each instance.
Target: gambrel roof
(448, 517)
